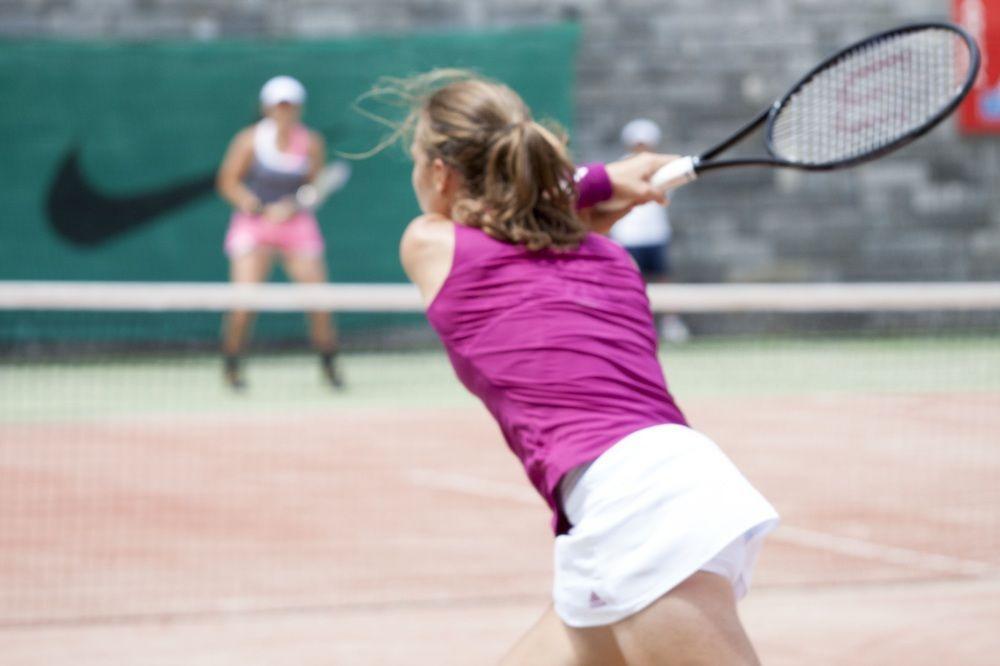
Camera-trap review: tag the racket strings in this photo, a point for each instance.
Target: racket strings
(872, 97)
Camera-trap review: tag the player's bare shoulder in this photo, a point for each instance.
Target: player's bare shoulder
(427, 239)
(317, 136)
(426, 251)
(317, 141)
(244, 138)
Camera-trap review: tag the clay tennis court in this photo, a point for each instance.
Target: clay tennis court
(154, 519)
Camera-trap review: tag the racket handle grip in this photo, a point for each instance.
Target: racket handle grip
(674, 174)
(307, 196)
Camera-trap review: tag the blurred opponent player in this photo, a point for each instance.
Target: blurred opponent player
(264, 166)
(549, 325)
(645, 230)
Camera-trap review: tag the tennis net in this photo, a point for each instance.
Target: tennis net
(136, 485)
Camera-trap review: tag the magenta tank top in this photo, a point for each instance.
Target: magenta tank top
(559, 346)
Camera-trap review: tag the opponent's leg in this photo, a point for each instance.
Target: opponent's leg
(311, 269)
(551, 643)
(694, 624)
(248, 268)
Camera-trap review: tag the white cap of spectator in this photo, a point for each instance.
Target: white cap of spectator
(282, 89)
(641, 132)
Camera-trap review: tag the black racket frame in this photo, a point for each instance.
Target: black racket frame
(770, 114)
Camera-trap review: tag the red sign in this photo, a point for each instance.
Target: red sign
(980, 112)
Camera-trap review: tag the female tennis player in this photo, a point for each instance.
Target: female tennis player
(548, 323)
(264, 166)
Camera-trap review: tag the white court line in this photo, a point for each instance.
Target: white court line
(868, 550)
(875, 551)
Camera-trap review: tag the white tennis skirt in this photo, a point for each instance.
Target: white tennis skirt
(660, 505)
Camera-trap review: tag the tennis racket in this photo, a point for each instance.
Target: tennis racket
(331, 178)
(869, 99)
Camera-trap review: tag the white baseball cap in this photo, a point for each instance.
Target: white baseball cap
(282, 89)
(641, 131)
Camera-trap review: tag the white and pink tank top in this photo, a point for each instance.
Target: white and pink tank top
(275, 173)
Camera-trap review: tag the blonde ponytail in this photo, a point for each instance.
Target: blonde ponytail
(517, 173)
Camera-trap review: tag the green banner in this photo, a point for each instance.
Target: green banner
(110, 149)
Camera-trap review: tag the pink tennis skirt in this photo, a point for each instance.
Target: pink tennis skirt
(299, 235)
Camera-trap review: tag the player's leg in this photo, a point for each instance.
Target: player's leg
(551, 643)
(311, 269)
(249, 267)
(695, 623)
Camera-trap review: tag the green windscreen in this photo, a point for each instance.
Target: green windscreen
(110, 148)
(110, 152)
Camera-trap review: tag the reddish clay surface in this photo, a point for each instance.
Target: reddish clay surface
(409, 537)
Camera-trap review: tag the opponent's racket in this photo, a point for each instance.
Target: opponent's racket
(331, 178)
(867, 100)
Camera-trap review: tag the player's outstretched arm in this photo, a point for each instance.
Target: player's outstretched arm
(235, 164)
(630, 186)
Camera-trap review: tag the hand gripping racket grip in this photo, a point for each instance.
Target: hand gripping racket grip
(307, 196)
(330, 179)
(674, 174)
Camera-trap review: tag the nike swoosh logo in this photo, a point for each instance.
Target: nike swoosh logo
(83, 215)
